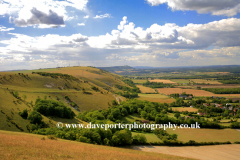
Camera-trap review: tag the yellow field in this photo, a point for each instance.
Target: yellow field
(144, 89)
(206, 135)
(29, 146)
(218, 152)
(195, 92)
(163, 81)
(156, 98)
(180, 109)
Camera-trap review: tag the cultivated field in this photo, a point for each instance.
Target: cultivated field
(218, 152)
(206, 135)
(29, 146)
(195, 92)
(163, 81)
(180, 109)
(205, 81)
(144, 89)
(155, 98)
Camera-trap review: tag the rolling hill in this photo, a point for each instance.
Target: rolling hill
(89, 88)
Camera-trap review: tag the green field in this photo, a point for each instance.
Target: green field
(206, 135)
(151, 137)
(155, 98)
(139, 81)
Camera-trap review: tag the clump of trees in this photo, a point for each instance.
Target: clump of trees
(53, 108)
(157, 85)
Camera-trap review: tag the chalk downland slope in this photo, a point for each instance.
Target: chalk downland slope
(30, 86)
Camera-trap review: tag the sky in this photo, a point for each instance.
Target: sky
(158, 33)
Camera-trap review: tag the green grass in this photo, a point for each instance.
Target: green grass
(151, 137)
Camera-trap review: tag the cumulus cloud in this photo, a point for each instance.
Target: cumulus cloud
(48, 12)
(215, 7)
(106, 15)
(39, 17)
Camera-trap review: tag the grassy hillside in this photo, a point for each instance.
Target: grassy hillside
(16, 146)
(79, 88)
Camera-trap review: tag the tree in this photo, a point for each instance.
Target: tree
(177, 115)
(24, 114)
(122, 137)
(35, 117)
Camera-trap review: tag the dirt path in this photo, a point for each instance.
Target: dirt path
(217, 152)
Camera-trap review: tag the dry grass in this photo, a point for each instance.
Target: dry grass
(26, 146)
(163, 81)
(219, 152)
(195, 92)
(144, 89)
(156, 98)
(180, 109)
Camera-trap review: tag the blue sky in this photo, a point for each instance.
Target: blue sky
(157, 33)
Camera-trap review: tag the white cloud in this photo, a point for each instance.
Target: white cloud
(48, 12)
(86, 17)
(106, 15)
(4, 29)
(81, 24)
(215, 7)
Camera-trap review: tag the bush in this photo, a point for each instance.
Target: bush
(139, 139)
(24, 114)
(52, 137)
(35, 117)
